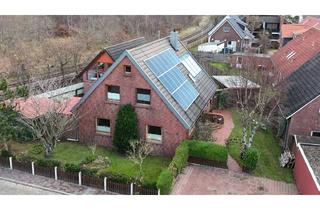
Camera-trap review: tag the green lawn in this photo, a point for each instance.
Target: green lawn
(268, 146)
(69, 152)
(224, 68)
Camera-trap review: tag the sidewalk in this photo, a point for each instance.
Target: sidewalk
(46, 183)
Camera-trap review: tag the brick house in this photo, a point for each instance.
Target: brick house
(167, 87)
(301, 102)
(297, 52)
(104, 59)
(233, 33)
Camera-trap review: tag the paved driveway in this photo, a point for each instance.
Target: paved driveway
(202, 180)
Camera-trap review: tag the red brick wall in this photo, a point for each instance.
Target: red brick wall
(103, 58)
(306, 120)
(303, 178)
(157, 114)
(229, 36)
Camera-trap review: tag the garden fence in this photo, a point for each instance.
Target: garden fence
(78, 178)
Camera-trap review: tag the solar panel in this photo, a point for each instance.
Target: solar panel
(164, 66)
(163, 62)
(190, 64)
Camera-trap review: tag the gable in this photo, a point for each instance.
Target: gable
(128, 86)
(219, 34)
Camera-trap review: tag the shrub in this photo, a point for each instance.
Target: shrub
(180, 159)
(121, 178)
(208, 150)
(70, 167)
(36, 149)
(165, 181)
(250, 159)
(24, 158)
(5, 153)
(126, 128)
(88, 159)
(89, 171)
(48, 163)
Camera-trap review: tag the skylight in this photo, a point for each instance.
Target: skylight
(291, 54)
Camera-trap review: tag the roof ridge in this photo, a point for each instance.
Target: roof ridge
(125, 42)
(148, 43)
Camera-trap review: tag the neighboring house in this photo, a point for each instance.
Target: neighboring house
(105, 59)
(291, 31)
(301, 102)
(307, 164)
(233, 33)
(167, 87)
(270, 24)
(298, 51)
(251, 61)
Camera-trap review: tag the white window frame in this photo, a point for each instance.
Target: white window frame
(314, 132)
(103, 129)
(90, 73)
(113, 96)
(154, 137)
(137, 95)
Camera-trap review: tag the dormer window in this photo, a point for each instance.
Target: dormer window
(127, 69)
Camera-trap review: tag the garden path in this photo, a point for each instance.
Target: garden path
(222, 134)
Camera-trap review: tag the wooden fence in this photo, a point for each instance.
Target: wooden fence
(78, 178)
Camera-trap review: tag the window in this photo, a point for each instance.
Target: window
(92, 74)
(103, 125)
(154, 133)
(229, 42)
(315, 133)
(113, 93)
(226, 29)
(261, 67)
(127, 69)
(143, 96)
(79, 92)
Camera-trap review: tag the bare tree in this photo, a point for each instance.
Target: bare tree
(256, 105)
(48, 119)
(139, 150)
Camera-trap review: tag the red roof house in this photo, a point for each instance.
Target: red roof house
(298, 51)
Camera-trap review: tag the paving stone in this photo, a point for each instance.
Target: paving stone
(59, 185)
(204, 180)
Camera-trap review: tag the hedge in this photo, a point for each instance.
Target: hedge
(165, 182)
(48, 163)
(208, 150)
(180, 159)
(117, 177)
(5, 153)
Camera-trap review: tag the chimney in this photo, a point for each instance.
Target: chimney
(174, 40)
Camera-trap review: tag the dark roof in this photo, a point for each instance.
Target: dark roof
(301, 86)
(236, 23)
(203, 82)
(116, 50)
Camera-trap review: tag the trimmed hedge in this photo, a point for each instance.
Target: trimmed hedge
(208, 150)
(180, 159)
(48, 163)
(165, 182)
(250, 159)
(70, 167)
(121, 178)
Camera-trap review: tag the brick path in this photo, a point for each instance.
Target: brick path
(48, 183)
(202, 180)
(222, 134)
